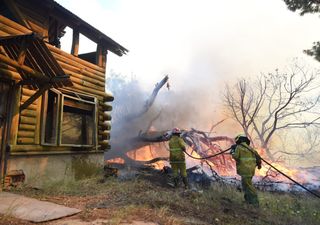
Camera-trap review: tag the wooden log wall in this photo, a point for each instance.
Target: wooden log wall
(29, 124)
(87, 78)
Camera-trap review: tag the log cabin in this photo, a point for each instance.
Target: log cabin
(54, 106)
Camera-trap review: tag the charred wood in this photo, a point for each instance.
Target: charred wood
(150, 101)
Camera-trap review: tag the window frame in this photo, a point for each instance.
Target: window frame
(61, 96)
(44, 117)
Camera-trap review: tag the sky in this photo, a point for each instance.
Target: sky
(199, 43)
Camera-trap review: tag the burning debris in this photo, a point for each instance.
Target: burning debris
(222, 167)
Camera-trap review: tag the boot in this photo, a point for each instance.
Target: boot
(185, 182)
(176, 181)
(173, 182)
(170, 182)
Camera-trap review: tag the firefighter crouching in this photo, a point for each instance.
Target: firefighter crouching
(177, 159)
(247, 159)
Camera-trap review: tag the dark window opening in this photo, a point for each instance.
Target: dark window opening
(51, 118)
(90, 57)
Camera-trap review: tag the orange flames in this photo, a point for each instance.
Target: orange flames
(223, 164)
(148, 153)
(144, 154)
(117, 160)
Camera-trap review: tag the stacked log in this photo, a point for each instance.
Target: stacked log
(28, 119)
(104, 124)
(28, 131)
(9, 27)
(9, 72)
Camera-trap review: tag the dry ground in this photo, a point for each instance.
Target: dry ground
(145, 197)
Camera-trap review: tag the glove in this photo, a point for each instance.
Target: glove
(258, 160)
(233, 149)
(259, 166)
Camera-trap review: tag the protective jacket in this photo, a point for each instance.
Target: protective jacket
(177, 145)
(246, 160)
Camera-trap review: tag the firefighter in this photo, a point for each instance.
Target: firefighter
(247, 159)
(177, 159)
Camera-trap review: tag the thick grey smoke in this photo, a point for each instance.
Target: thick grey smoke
(191, 107)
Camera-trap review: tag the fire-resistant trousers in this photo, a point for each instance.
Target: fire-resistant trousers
(250, 193)
(179, 166)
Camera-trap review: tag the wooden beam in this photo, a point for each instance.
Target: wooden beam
(15, 114)
(25, 68)
(75, 42)
(28, 120)
(23, 51)
(19, 28)
(25, 82)
(34, 97)
(78, 105)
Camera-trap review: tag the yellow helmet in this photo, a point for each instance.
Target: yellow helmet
(242, 138)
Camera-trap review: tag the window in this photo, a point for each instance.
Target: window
(69, 119)
(51, 120)
(77, 121)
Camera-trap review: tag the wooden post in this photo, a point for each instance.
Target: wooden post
(15, 115)
(75, 42)
(38, 125)
(101, 56)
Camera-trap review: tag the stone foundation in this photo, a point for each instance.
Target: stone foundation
(41, 169)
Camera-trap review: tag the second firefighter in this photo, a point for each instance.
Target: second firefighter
(177, 158)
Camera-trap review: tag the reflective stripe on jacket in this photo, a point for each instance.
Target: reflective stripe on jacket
(246, 160)
(177, 145)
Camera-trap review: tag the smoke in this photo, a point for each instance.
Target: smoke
(185, 105)
(192, 102)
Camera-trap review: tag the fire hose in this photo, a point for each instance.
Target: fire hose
(294, 181)
(207, 157)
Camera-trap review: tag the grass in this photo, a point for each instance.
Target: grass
(140, 199)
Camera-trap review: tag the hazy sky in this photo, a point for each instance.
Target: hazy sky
(199, 42)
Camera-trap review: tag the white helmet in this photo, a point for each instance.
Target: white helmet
(176, 130)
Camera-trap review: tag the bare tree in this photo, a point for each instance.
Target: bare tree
(274, 102)
(301, 145)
